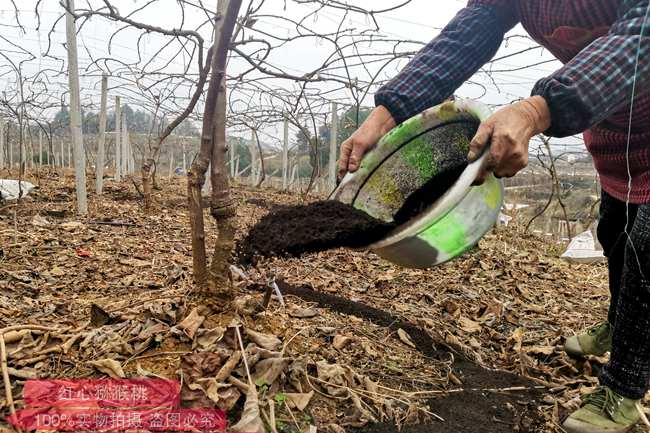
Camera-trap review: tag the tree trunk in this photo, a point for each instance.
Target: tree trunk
(101, 151)
(223, 207)
(196, 176)
(75, 111)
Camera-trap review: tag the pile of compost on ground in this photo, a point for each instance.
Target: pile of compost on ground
(297, 230)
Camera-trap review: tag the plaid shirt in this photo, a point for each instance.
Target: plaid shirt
(596, 40)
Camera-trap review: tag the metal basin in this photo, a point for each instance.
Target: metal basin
(403, 161)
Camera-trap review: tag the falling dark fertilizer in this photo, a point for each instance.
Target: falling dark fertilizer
(297, 230)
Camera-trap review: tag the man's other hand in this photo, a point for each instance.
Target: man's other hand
(378, 123)
(508, 133)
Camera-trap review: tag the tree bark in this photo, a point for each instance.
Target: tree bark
(223, 207)
(229, 10)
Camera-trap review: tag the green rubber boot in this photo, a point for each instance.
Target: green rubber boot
(603, 411)
(596, 340)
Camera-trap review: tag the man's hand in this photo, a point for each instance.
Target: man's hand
(378, 123)
(508, 132)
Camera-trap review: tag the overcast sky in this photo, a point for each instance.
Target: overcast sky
(421, 21)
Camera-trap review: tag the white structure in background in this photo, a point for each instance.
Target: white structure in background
(9, 189)
(75, 112)
(582, 249)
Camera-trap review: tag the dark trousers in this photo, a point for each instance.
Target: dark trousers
(628, 371)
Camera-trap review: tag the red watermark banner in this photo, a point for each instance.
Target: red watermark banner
(116, 420)
(96, 393)
(112, 405)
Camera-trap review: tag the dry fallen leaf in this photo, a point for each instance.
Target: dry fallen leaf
(540, 350)
(469, 325)
(517, 337)
(268, 370)
(191, 323)
(136, 263)
(40, 221)
(110, 367)
(71, 226)
(303, 313)
(341, 341)
(269, 342)
(207, 338)
(57, 272)
(299, 401)
(405, 338)
(251, 420)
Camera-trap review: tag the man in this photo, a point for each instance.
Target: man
(605, 48)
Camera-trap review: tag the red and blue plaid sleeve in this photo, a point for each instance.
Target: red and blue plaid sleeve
(465, 45)
(598, 81)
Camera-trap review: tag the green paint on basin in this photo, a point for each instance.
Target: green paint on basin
(419, 155)
(447, 234)
(382, 186)
(403, 132)
(492, 191)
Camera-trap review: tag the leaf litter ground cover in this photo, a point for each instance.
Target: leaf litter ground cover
(320, 360)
